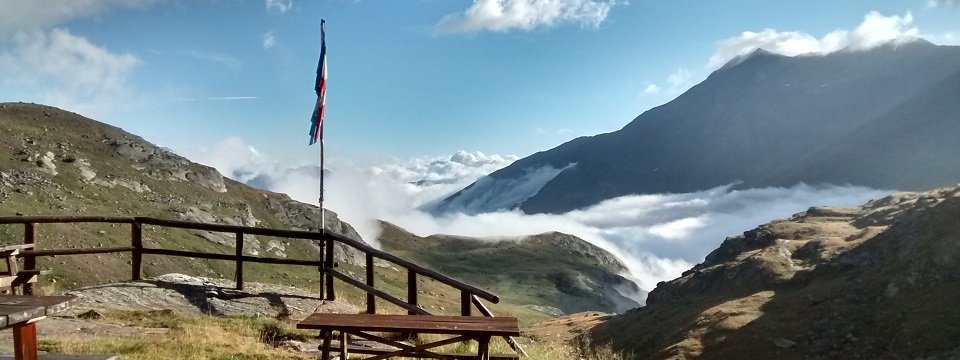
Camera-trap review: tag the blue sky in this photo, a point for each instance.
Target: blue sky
(407, 77)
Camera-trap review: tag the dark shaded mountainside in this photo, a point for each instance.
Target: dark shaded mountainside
(552, 272)
(875, 282)
(54, 162)
(884, 118)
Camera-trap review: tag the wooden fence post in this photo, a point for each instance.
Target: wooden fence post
(29, 262)
(465, 303)
(328, 264)
(323, 294)
(371, 300)
(411, 289)
(136, 242)
(239, 274)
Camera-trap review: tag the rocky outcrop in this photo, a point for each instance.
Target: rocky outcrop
(877, 281)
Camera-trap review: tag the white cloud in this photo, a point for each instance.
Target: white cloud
(269, 40)
(281, 6)
(657, 236)
(651, 89)
(876, 29)
(23, 15)
(66, 70)
(507, 15)
(679, 80)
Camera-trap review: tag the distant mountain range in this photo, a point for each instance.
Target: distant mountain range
(885, 118)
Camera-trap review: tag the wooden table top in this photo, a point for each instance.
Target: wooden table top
(431, 324)
(16, 309)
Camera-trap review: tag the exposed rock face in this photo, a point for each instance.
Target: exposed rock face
(878, 281)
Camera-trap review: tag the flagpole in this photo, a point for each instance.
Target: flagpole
(323, 211)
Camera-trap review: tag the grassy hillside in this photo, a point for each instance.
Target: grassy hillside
(547, 273)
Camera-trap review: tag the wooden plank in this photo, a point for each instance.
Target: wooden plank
(27, 254)
(501, 326)
(50, 304)
(44, 219)
(231, 228)
(21, 278)
(246, 258)
(379, 293)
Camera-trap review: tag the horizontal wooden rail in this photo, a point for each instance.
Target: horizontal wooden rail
(231, 257)
(58, 252)
(45, 219)
(412, 268)
(309, 235)
(459, 285)
(379, 293)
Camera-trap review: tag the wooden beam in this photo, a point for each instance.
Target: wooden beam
(26, 254)
(230, 257)
(25, 341)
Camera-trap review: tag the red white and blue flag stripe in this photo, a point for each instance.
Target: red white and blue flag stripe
(316, 121)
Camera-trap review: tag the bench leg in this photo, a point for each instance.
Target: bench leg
(483, 349)
(344, 342)
(25, 341)
(325, 348)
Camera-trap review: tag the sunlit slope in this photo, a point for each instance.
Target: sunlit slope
(54, 162)
(550, 270)
(871, 282)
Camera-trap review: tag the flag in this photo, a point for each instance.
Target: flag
(316, 121)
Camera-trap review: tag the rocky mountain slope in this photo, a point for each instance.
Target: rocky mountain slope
(883, 118)
(53, 162)
(875, 282)
(553, 272)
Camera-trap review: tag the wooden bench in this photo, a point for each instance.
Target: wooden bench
(14, 280)
(463, 328)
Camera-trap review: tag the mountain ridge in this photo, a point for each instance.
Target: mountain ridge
(749, 123)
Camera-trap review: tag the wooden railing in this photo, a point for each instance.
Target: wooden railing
(470, 296)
